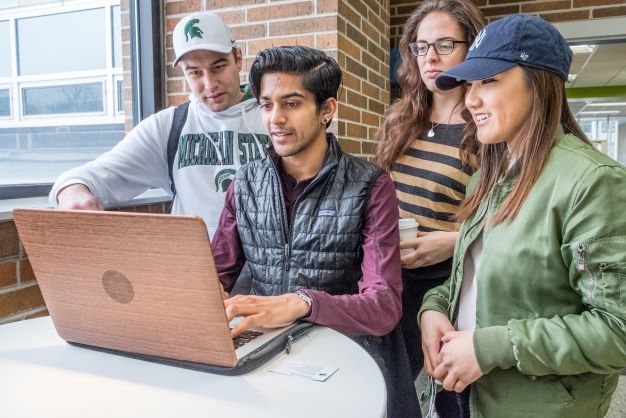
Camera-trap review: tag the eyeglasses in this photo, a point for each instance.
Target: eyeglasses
(442, 47)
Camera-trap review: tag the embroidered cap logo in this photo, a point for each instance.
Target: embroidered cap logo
(192, 31)
(478, 40)
(523, 56)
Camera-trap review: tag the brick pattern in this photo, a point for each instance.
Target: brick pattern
(550, 10)
(20, 297)
(363, 54)
(19, 294)
(126, 65)
(355, 32)
(256, 25)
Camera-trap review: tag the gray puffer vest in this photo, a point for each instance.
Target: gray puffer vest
(322, 248)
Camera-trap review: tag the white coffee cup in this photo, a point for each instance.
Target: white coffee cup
(408, 230)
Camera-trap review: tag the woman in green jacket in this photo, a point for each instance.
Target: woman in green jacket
(533, 316)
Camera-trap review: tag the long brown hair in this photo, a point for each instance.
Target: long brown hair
(549, 112)
(409, 117)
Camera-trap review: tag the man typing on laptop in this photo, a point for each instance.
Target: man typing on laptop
(318, 227)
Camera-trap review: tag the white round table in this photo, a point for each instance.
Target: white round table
(43, 376)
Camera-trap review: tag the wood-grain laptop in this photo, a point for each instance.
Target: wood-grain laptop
(140, 285)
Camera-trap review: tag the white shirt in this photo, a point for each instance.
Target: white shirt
(466, 320)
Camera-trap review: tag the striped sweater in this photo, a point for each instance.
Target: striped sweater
(430, 179)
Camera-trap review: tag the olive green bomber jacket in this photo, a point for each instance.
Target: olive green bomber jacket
(550, 332)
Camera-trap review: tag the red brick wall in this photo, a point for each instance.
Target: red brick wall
(355, 32)
(20, 297)
(126, 65)
(363, 54)
(551, 10)
(255, 24)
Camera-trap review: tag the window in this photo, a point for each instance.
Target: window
(71, 98)
(596, 86)
(606, 132)
(75, 43)
(119, 95)
(56, 114)
(5, 102)
(117, 36)
(62, 84)
(5, 49)
(596, 94)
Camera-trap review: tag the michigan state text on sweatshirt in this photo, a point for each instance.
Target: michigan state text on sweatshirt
(212, 146)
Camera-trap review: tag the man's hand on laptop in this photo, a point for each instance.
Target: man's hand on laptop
(265, 311)
(78, 197)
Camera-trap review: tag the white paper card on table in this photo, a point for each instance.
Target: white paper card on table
(310, 371)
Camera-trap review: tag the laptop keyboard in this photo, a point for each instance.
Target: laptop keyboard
(245, 337)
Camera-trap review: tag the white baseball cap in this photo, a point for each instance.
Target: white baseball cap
(201, 31)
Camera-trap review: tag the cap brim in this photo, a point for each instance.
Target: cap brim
(205, 47)
(472, 69)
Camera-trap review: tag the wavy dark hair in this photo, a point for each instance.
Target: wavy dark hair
(549, 112)
(320, 73)
(409, 117)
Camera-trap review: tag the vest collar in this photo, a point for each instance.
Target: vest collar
(333, 154)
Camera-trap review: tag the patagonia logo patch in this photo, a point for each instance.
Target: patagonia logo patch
(327, 212)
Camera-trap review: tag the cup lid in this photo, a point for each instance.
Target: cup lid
(407, 223)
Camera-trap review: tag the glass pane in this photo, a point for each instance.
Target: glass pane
(608, 135)
(70, 122)
(5, 49)
(117, 36)
(120, 95)
(61, 42)
(73, 98)
(40, 154)
(5, 102)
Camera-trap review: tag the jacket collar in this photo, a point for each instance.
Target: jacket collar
(513, 172)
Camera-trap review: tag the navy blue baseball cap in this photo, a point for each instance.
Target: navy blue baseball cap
(518, 39)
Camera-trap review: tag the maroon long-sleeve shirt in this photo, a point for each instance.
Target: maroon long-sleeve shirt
(376, 309)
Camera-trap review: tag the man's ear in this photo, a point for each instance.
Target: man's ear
(238, 58)
(328, 110)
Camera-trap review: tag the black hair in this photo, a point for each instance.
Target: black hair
(320, 73)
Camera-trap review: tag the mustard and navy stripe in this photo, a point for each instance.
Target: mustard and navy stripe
(430, 179)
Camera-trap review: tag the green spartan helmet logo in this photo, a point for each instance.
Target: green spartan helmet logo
(192, 31)
(223, 179)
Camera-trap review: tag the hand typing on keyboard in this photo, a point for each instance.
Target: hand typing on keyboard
(245, 337)
(264, 311)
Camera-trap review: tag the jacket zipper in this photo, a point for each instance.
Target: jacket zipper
(287, 230)
(581, 266)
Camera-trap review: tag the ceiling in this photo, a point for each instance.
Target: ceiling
(599, 65)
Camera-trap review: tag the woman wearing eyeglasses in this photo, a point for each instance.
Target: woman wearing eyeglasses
(420, 144)
(534, 314)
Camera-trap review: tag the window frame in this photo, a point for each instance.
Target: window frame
(8, 87)
(69, 115)
(106, 11)
(146, 31)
